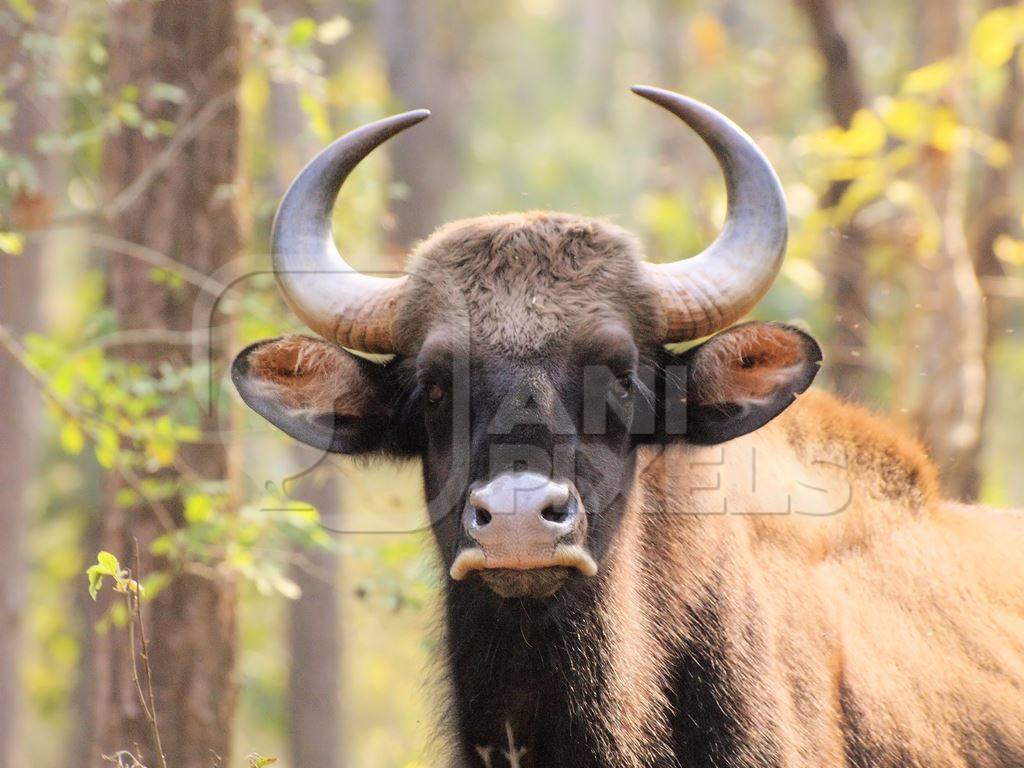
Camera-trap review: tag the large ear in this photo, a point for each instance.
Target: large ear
(320, 394)
(741, 379)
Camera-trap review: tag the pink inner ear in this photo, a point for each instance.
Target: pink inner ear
(310, 374)
(295, 357)
(749, 362)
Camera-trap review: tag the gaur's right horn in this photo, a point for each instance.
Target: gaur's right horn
(710, 291)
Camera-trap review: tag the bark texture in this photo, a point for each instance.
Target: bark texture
(846, 268)
(188, 212)
(953, 324)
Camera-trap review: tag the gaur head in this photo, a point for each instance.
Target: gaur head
(529, 362)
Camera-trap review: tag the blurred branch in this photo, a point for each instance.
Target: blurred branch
(138, 187)
(182, 137)
(155, 258)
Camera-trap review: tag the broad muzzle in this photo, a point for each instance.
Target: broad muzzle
(524, 521)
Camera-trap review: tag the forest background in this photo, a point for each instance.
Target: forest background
(288, 603)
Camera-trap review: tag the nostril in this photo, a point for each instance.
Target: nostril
(481, 516)
(555, 513)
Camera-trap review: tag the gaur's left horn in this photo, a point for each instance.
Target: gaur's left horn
(710, 291)
(340, 304)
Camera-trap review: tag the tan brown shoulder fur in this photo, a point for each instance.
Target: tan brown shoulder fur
(876, 448)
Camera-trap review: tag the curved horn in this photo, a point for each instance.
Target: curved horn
(718, 286)
(340, 304)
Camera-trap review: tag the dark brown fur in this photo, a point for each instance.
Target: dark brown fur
(520, 283)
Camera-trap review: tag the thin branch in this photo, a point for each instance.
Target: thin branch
(141, 183)
(136, 617)
(188, 131)
(157, 259)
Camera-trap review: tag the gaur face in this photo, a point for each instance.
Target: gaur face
(529, 363)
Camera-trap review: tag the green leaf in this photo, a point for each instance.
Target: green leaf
(109, 562)
(154, 583)
(95, 574)
(107, 445)
(162, 545)
(168, 92)
(71, 438)
(198, 508)
(317, 114)
(302, 32)
(126, 498)
(23, 8)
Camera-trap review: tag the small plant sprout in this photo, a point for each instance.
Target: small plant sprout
(108, 565)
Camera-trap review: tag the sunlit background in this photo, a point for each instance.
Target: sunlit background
(894, 126)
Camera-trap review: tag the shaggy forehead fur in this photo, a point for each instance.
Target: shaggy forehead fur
(517, 283)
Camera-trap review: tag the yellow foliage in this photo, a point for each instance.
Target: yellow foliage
(314, 109)
(805, 275)
(945, 130)
(71, 438)
(12, 243)
(865, 136)
(929, 79)
(1009, 250)
(906, 119)
(995, 36)
(254, 93)
(709, 37)
(997, 154)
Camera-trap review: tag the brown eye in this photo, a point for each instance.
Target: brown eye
(622, 387)
(435, 394)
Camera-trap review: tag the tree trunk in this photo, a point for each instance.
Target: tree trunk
(846, 269)
(423, 71)
(20, 295)
(188, 212)
(314, 637)
(952, 343)
(993, 214)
